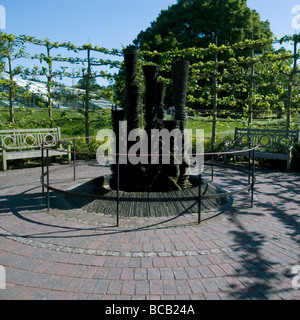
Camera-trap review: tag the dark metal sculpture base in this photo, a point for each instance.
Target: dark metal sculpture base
(147, 204)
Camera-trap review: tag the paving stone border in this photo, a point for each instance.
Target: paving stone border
(54, 247)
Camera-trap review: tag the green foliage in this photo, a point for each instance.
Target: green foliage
(235, 91)
(196, 23)
(71, 122)
(86, 151)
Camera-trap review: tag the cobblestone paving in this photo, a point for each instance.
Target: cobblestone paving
(237, 253)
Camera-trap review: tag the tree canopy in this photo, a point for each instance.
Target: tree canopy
(197, 23)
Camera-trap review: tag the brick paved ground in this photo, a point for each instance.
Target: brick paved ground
(69, 254)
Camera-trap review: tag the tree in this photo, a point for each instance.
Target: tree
(49, 75)
(11, 49)
(291, 73)
(2, 52)
(197, 23)
(88, 76)
(47, 71)
(204, 24)
(86, 73)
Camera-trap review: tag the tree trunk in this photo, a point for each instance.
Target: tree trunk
(11, 86)
(131, 56)
(50, 111)
(165, 176)
(180, 71)
(150, 73)
(160, 96)
(87, 98)
(252, 79)
(288, 103)
(49, 79)
(215, 100)
(290, 87)
(117, 116)
(133, 174)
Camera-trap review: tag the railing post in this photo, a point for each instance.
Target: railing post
(48, 182)
(199, 195)
(212, 160)
(43, 170)
(74, 159)
(249, 165)
(253, 179)
(118, 188)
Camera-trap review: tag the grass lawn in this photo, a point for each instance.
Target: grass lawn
(72, 123)
(226, 127)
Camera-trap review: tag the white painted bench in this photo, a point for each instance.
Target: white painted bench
(273, 144)
(25, 144)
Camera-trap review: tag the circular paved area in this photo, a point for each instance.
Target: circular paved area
(238, 253)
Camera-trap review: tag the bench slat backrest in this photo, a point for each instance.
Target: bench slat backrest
(29, 138)
(267, 138)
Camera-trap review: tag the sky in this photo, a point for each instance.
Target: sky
(106, 23)
(115, 23)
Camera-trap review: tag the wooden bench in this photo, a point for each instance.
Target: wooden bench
(25, 144)
(273, 144)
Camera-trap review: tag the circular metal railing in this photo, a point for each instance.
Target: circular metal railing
(249, 172)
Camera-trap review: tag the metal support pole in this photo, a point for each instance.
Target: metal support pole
(199, 196)
(212, 168)
(118, 188)
(253, 179)
(48, 181)
(212, 161)
(43, 170)
(249, 165)
(74, 159)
